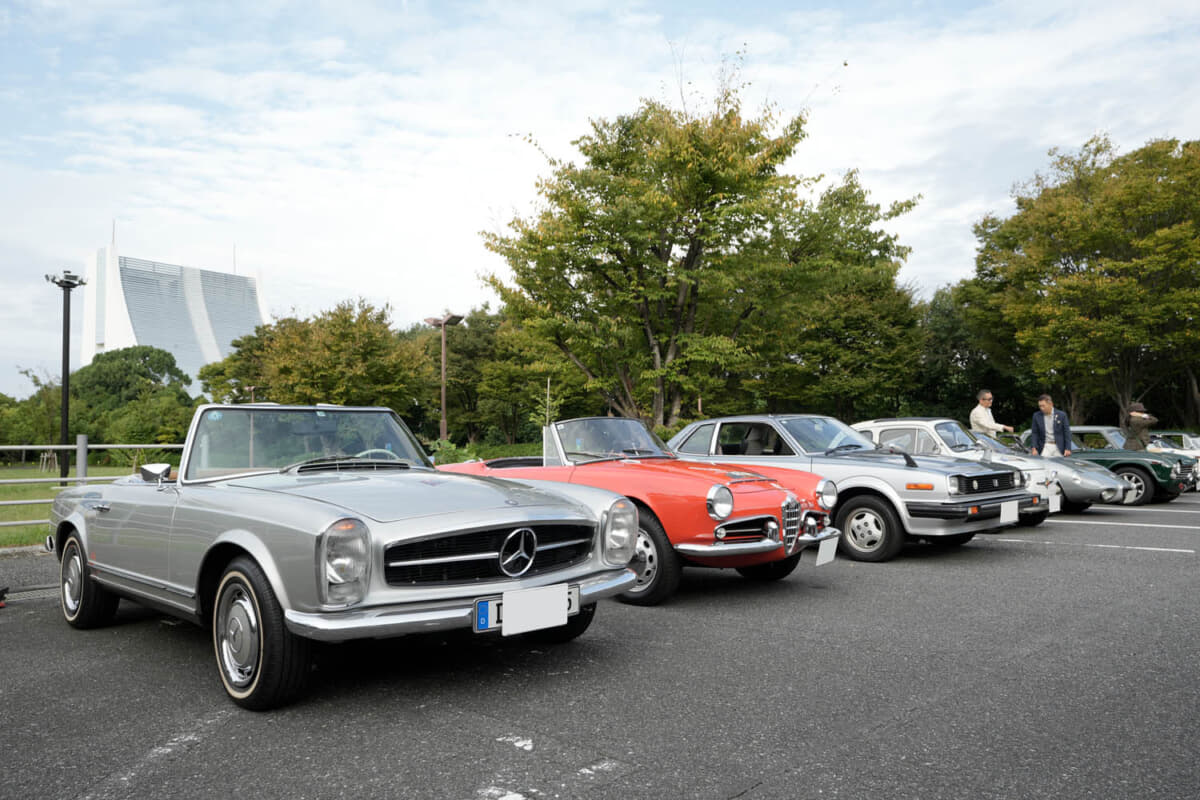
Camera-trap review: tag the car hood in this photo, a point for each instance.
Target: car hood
(407, 494)
(947, 465)
(710, 473)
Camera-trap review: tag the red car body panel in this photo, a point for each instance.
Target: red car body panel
(674, 492)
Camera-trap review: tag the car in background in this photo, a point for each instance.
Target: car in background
(942, 436)
(1082, 482)
(688, 514)
(1160, 477)
(287, 525)
(1180, 443)
(885, 497)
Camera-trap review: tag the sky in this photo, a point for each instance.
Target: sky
(345, 150)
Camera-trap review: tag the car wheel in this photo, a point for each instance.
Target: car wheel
(85, 603)
(951, 540)
(1141, 488)
(655, 562)
(262, 664)
(1075, 508)
(870, 530)
(772, 571)
(1032, 520)
(575, 626)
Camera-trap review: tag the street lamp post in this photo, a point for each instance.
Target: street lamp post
(442, 322)
(67, 282)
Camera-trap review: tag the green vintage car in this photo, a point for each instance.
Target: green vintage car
(1154, 476)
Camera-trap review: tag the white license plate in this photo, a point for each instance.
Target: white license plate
(1055, 503)
(826, 550)
(523, 610)
(1009, 511)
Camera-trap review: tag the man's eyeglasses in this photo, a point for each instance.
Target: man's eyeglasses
(987, 399)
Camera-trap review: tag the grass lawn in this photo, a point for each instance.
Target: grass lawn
(33, 534)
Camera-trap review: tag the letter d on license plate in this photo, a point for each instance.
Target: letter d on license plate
(523, 610)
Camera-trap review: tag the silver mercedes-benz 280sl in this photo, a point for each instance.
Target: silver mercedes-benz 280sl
(289, 524)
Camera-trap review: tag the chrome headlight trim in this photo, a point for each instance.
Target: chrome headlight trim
(619, 532)
(344, 563)
(827, 494)
(719, 502)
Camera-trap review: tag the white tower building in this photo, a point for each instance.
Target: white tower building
(194, 314)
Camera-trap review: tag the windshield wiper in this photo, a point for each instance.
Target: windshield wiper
(634, 451)
(960, 446)
(844, 448)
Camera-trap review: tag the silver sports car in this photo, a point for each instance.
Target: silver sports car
(289, 524)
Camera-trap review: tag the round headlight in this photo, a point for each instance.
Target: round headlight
(1026, 478)
(1175, 470)
(720, 502)
(827, 494)
(344, 564)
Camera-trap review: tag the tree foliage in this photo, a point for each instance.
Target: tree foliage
(348, 355)
(1098, 271)
(636, 268)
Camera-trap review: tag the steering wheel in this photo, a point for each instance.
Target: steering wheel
(378, 451)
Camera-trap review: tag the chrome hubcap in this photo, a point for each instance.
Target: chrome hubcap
(645, 561)
(72, 580)
(865, 530)
(238, 635)
(1137, 485)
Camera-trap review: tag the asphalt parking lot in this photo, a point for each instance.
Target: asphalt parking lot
(1054, 662)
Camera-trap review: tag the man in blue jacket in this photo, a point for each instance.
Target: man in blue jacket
(1051, 430)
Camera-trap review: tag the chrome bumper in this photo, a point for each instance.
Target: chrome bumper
(398, 620)
(723, 549)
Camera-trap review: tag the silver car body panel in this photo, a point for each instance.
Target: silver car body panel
(1043, 476)
(922, 512)
(153, 541)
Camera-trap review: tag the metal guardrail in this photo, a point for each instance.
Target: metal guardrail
(81, 478)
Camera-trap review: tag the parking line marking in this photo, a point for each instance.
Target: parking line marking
(1118, 509)
(1102, 546)
(1125, 524)
(120, 784)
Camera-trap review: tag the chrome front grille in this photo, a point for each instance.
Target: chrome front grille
(748, 530)
(475, 556)
(1185, 469)
(791, 523)
(982, 484)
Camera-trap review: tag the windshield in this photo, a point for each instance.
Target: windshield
(955, 436)
(236, 439)
(818, 434)
(596, 438)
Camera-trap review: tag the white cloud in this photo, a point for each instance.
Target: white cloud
(359, 149)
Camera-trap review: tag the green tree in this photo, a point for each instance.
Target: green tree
(117, 377)
(669, 214)
(1099, 269)
(241, 376)
(348, 355)
(833, 331)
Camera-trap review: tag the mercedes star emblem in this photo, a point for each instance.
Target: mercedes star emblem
(516, 554)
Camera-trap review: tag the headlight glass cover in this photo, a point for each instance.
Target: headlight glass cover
(720, 502)
(827, 494)
(343, 563)
(620, 533)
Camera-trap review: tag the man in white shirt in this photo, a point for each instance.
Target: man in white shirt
(981, 416)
